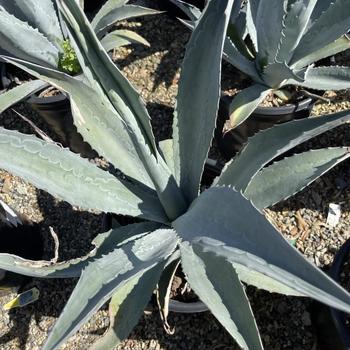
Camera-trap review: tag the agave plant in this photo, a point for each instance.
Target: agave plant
(32, 30)
(277, 43)
(220, 237)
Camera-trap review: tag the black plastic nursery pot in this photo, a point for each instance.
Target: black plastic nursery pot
(5, 77)
(25, 241)
(331, 325)
(56, 112)
(262, 118)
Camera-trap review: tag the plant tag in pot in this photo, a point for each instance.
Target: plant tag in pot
(334, 214)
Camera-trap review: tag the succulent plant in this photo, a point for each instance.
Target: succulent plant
(220, 237)
(277, 44)
(32, 30)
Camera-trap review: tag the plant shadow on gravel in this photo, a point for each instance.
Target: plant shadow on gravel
(75, 231)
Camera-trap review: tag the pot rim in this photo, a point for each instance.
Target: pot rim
(339, 317)
(187, 308)
(34, 99)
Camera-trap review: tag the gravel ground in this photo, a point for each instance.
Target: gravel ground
(284, 321)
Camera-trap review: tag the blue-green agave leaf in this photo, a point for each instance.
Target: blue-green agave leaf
(43, 16)
(244, 104)
(110, 273)
(339, 45)
(294, 26)
(268, 30)
(270, 143)
(332, 23)
(96, 120)
(68, 176)
(286, 177)
(127, 305)
(122, 37)
(21, 40)
(198, 97)
(191, 11)
(18, 93)
(117, 10)
(222, 292)
(238, 232)
(327, 78)
(104, 243)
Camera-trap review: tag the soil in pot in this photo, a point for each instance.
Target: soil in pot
(263, 117)
(54, 108)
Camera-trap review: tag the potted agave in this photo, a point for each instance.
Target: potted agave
(38, 35)
(219, 236)
(276, 44)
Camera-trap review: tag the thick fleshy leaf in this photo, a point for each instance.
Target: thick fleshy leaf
(116, 10)
(191, 11)
(164, 290)
(198, 97)
(294, 25)
(110, 272)
(222, 292)
(270, 143)
(127, 103)
(18, 93)
(66, 175)
(167, 152)
(276, 75)
(252, 10)
(125, 99)
(22, 40)
(241, 234)
(127, 305)
(43, 16)
(286, 177)
(122, 37)
(333, 23)
(104, 243)
(233, 55)
(331, 49)
(96, 120)
(327, 78)
(269, 31)
(244, 104)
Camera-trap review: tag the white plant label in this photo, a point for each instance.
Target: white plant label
(334, 214)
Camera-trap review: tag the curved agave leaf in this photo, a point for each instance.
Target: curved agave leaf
(333, 23)
(127, 103)
(125, 99)
(252, 10)
(244, 104)
(42, 15)
(65, 174)
(22, 40)
(122, 37)
(9, 98)
(341, 44)
(110, 272)
(269, 31)
(238, 232)
(294, 25)
(116, 10)
(104, 243)
(270, 143)
(327, 78)
(127, 305)
(276, 74)
(167, 152)
(290, 175)
(191, 11)
(223, 293)
(198, 97)
(163, 292)
(95, 119)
